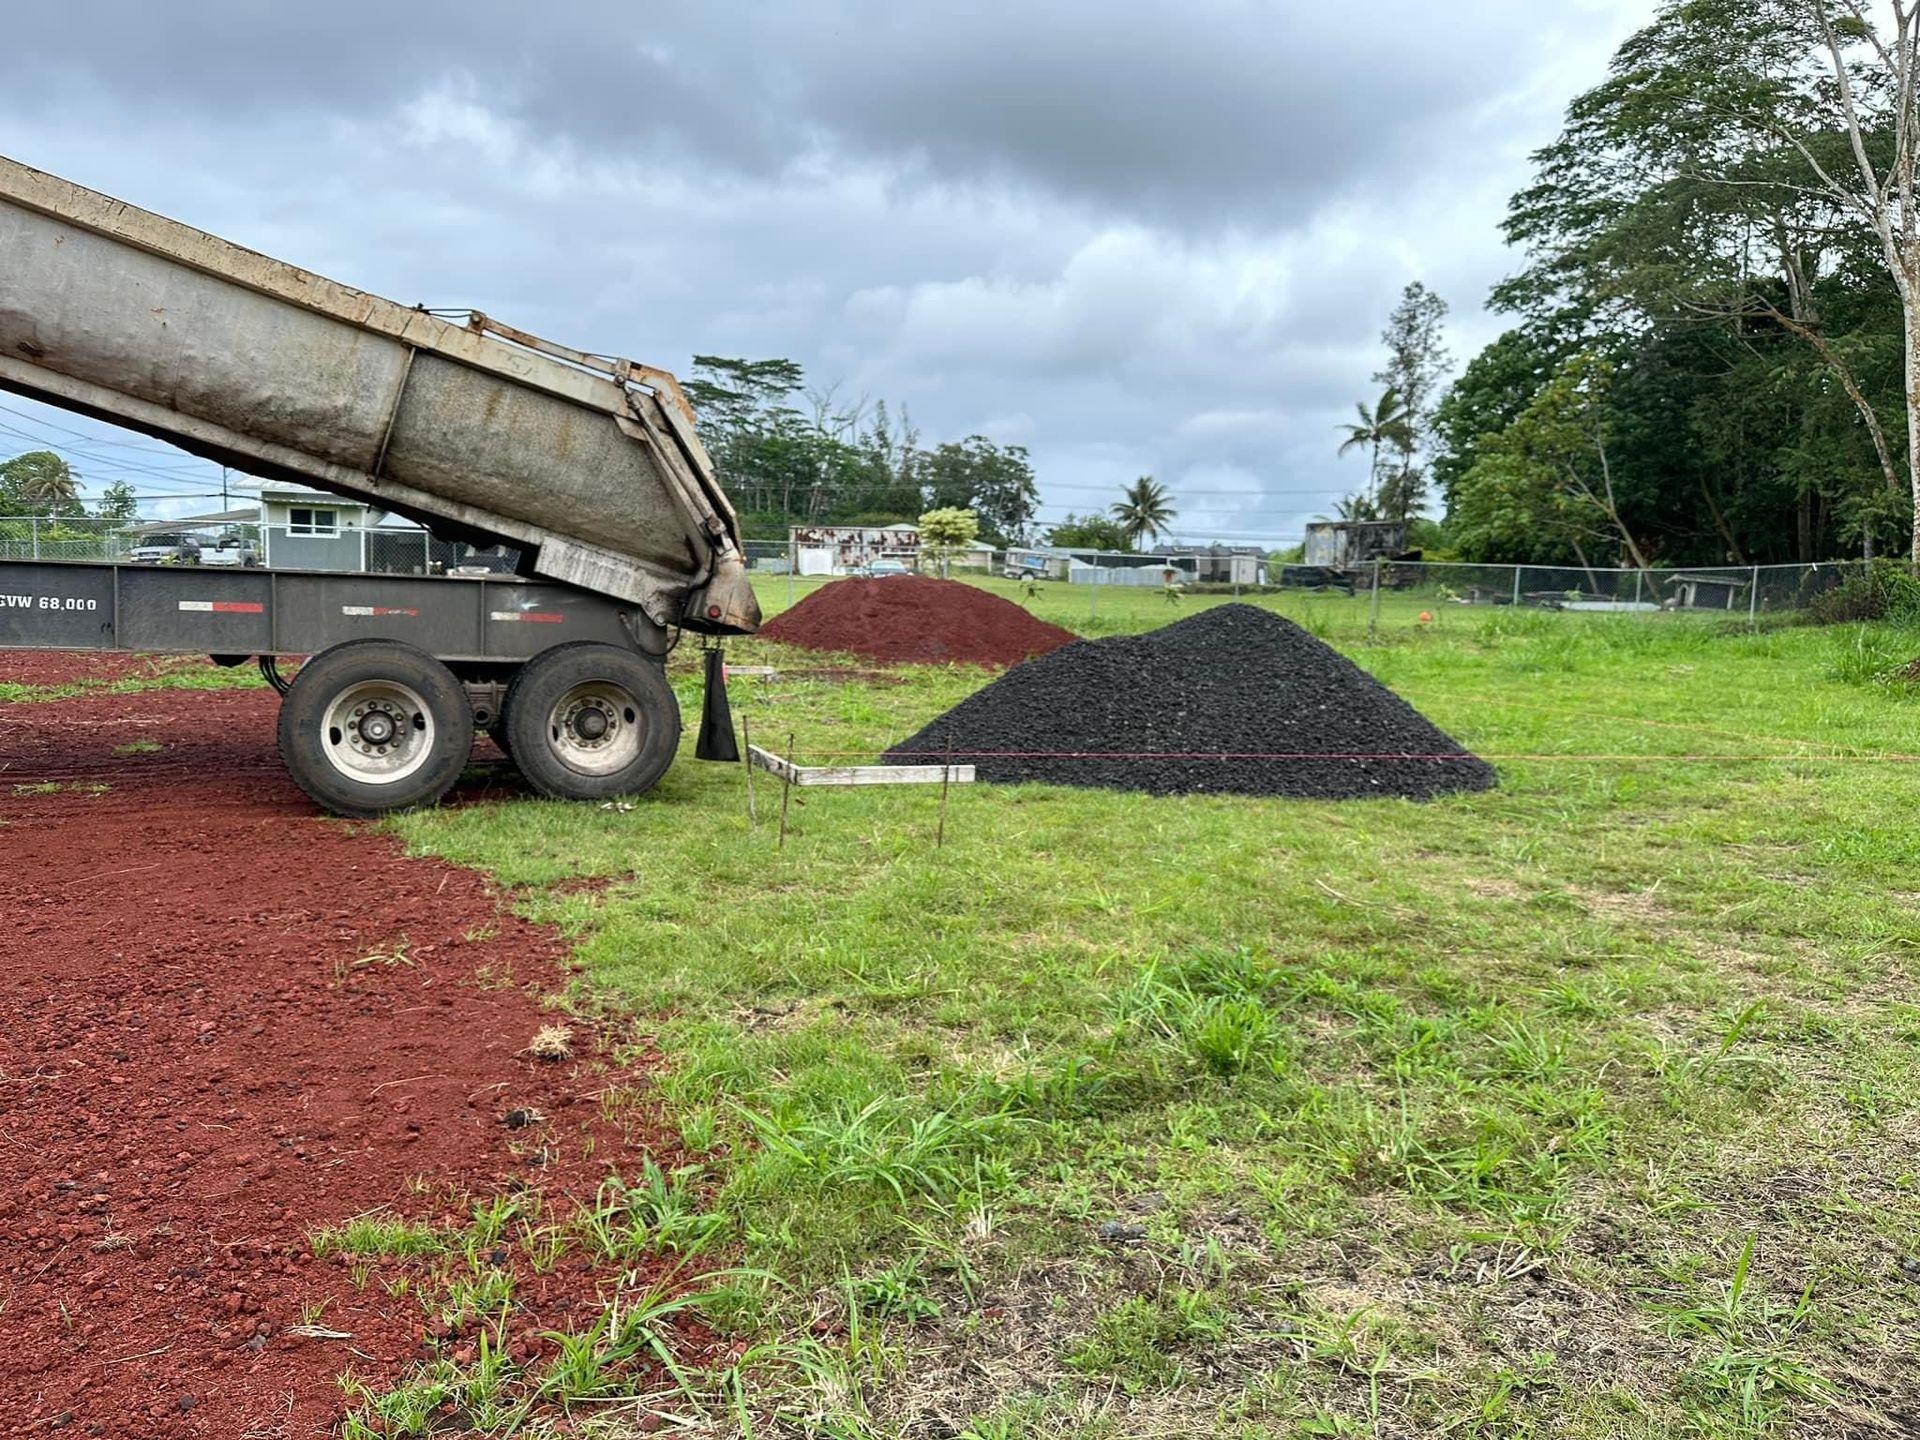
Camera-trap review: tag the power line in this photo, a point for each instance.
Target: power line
(69, 448)
(185, 475)
(150, 447)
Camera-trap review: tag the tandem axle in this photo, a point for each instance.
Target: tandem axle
(571, 685)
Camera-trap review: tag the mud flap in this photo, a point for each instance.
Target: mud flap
(716, 715)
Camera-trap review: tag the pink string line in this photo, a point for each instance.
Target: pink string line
(939, 757)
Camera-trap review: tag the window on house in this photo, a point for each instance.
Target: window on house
(304, 521)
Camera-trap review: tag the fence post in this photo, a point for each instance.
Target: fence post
(1639, 577)
(33, 524)
(1516, 586)
(1373, 607)
(1753, 601)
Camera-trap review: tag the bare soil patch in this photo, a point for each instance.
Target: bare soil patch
(227, 1023)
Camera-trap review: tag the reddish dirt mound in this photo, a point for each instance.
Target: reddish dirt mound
(68, 667)
(915, 619)
(226, 1023)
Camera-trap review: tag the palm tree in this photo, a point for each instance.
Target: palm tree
(40, 478)
(1144, 509)
(1389, 422)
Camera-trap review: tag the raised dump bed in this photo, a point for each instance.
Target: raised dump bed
(588, 465)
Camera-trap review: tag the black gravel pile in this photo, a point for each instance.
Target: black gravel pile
(1186, 709)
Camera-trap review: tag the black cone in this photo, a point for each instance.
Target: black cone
(716, 715)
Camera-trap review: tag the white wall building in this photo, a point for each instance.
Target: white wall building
(302, 529)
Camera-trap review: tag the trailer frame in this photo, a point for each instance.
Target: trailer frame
(464, 622)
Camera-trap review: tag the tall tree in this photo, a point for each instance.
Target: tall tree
(1548, 479)
(1417, 365)
(1089, 532)
(1876, 85)
(1706, 184)
(996, 482)
(117, 502)
(39, 483)
(1495, 387)
(1144, 511)
(731, 395)
(1387, 424)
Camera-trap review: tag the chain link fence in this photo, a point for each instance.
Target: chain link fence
(1741, 591)
(64, 537)
(786, 571)
(379, 550)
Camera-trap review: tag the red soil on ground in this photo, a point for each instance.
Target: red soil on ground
(907, 619)
(200, 1064)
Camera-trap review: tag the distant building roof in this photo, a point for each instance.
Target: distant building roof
(249, 516)
(1214, 549)
(825, 526)
(1689, 577)
(286, 490)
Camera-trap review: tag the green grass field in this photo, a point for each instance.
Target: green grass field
(1580, 1108)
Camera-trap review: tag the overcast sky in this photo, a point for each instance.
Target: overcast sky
(1134, 238)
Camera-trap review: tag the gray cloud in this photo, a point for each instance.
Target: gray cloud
(1134, 238)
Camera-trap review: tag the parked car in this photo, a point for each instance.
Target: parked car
(482, 563)
(880, 569)
(231, 550)
(166, 549)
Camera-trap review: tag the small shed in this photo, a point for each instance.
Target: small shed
(302, 529)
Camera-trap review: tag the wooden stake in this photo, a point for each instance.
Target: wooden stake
(786, 793)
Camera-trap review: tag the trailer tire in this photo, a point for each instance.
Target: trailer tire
(375, 726)
(588, 721)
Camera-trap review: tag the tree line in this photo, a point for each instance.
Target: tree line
(791, 456)
(787, 456)
(1715, 347)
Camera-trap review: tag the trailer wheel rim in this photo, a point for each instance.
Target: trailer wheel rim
(377, 732)
(597, 728)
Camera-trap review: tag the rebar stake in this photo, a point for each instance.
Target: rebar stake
(786, 792)
(746, 758)
(946, 783)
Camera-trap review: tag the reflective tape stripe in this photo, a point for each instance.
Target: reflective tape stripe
(537, 617)
(225, 607)
(379, 611)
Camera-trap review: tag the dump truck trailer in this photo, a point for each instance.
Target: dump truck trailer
(588, 465)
